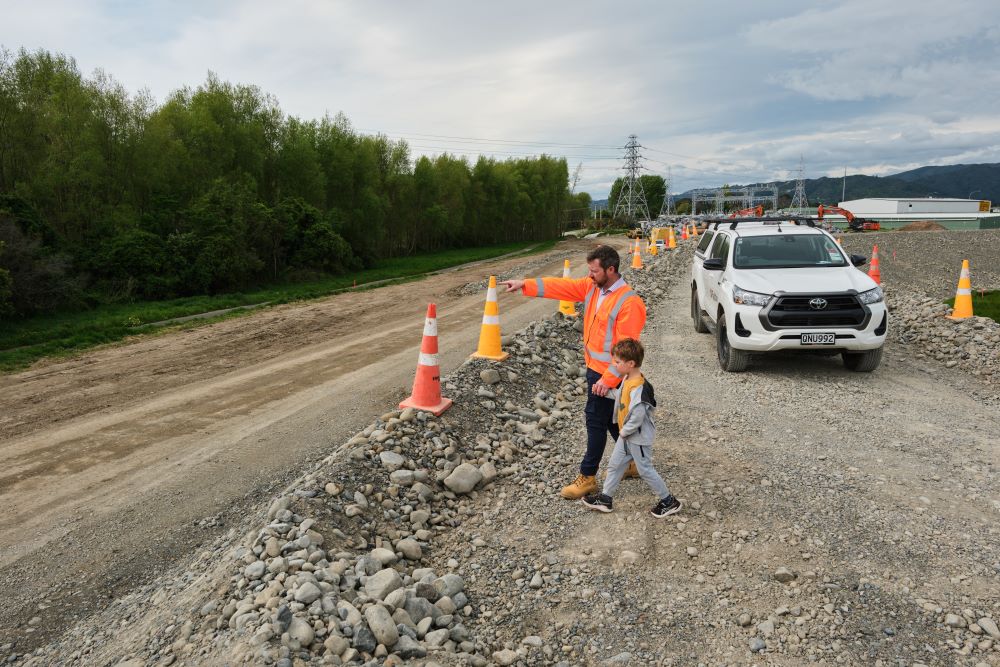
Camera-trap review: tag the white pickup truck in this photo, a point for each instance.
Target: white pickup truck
(773, 284)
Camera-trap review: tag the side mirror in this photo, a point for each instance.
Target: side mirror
(714, 264)
(859, 260)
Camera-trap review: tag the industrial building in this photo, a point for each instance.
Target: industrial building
(951, 213)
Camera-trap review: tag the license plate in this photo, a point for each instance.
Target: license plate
(818, 339)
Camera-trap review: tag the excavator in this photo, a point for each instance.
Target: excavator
(757, 211)
(854, 223)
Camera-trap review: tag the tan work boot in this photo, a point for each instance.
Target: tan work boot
(580, 487)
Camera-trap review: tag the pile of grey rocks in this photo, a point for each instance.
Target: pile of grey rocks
(972, 344)
(337, 573)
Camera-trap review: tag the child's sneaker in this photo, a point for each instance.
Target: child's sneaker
(666, 507)
(597, 501)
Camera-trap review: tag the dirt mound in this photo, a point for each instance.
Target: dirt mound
(923, 226)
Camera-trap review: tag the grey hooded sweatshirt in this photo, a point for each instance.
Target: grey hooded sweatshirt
(638, 429)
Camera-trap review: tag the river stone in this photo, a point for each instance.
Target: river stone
(382, 625)
(463, 478)
(408, 648)
(436, 637)
(490, 376)
(401, 477)
(391, 461)
(410, 548)
(396, 599)
(282, 503)
(449, 585)
(989, 626)
(418, 608)
(382, 583)
(488, 471)
(384, 556)
(301, 631)
(505, 657)
(363, 639)
(255, 570)
(336, 644)
(307, 593)
(784, 575)
(348, 612)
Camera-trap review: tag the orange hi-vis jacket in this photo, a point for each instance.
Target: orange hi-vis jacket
(622, 315)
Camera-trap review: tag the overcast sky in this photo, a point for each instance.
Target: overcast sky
(719, 91)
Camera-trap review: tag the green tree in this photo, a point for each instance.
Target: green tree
(6, 307)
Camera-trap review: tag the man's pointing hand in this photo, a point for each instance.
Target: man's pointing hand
(513, 285)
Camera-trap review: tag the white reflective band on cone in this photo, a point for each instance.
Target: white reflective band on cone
(491, 294)
(491, 319)
(964, 274)
(964, 290)
(428, 359)
(430, 327)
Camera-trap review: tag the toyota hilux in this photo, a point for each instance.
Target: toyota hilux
(762, 285)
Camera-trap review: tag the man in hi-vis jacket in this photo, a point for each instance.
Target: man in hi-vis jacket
(611, 312)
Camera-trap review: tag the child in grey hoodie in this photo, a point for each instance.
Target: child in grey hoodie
(634, 409)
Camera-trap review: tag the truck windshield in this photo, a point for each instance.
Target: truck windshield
(785, 251)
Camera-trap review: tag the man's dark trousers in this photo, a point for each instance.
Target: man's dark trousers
(598, 413)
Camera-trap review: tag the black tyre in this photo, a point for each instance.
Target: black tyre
(730, 359)
(699, 322)
(862, 362)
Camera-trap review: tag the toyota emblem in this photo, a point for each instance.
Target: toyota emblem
(817, 303)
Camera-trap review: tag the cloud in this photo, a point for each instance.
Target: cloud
(733, 95)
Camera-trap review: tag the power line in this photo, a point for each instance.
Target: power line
(494, 141)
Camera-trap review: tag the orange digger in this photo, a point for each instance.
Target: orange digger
(854, 223)
(756, 211)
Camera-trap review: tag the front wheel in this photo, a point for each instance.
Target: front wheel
(699, 322)
(862, 362)
(730, 359)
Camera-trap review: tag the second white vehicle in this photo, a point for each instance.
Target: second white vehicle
(762, 285)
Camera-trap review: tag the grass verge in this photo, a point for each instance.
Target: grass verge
(984, 305)
(25, 341)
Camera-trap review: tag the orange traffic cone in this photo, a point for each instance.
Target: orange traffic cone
(637, 256)
(874, 272)
(427, 383)
(567, 308)
(684, 233)
(840, 240)
(671, 240)
(489, 333)
(694, 230)
(963, 296)
(652, 249)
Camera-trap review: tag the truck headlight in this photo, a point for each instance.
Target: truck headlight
(746, 298)
(872, 296)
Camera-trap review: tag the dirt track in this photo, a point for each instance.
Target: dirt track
(107, 459)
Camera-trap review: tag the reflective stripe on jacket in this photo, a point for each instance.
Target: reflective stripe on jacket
(622, 315)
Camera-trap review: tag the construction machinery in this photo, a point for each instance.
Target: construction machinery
(854, 223)
(756, 211)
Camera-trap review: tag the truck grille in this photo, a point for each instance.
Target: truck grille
(843, 310)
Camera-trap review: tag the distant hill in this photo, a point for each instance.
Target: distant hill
(982, 181)
(958, 180)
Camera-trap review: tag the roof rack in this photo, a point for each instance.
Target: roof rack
(733, 222)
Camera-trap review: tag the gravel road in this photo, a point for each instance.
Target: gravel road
(830, 518)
